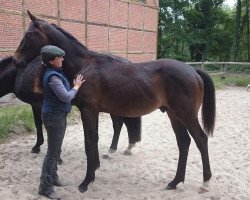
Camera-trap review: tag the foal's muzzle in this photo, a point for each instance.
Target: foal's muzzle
(19, 64)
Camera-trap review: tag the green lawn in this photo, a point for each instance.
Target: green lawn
(239, 80)
(15, 116)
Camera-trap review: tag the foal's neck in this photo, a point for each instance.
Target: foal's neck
(75, 56)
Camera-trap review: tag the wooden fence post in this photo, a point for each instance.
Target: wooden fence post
(202, 66)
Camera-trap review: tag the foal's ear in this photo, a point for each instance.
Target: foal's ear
(33, 18)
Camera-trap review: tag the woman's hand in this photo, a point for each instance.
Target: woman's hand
(78, 81)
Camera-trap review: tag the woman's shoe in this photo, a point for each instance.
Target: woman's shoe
(58, 183)
(51, 195)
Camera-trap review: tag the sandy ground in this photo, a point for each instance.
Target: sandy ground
(145, 174)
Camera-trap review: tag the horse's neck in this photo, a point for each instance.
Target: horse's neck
(77, 56)
(74, 58)
(7, 80)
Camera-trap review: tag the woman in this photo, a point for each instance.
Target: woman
(56, 105)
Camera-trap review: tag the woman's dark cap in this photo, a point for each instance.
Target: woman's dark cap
(49, 52)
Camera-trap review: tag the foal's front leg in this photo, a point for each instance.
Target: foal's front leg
(90, 124)
(36, 108)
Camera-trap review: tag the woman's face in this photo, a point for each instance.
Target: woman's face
(57, 62)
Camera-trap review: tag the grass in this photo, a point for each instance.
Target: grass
(13, 119)
(18, 119)
(239, 80)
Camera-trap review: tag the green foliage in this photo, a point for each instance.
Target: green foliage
(200, 30)
(15, 116)
(218, 84)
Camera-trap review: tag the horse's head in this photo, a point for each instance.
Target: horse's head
(34, 39)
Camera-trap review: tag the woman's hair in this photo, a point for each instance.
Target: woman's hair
(38, 82)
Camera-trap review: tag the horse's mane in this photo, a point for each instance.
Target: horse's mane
(111, 57)
(6, 61)
(69, 35)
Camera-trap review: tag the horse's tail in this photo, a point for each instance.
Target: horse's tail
(208, 105)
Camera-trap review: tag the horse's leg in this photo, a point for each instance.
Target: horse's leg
(97, 160)
(183, 142)
(133, 125)
(117, 126)
(89, 120)
(201, 139)
(36, 108)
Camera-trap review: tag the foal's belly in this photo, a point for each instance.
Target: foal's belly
(131, 112)
(133, 106)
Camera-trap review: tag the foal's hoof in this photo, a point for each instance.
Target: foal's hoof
(127, 152)
(169, 187)
(59, 161)
(82, 188)
(204, 188)
(35, 150)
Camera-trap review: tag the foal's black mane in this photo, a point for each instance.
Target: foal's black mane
(109, 56)
(69, 36)
(6, 61)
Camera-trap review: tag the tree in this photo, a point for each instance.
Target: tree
(236, 43)
(171, 35)
(200, 30)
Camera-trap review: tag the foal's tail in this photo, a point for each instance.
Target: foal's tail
(208, 105)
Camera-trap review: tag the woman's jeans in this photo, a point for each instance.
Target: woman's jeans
(55, 125)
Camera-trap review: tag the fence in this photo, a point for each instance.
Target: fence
(224, 66)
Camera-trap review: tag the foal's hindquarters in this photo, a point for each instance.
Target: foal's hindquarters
(184, 120)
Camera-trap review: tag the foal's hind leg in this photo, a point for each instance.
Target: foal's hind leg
(133, 125)
(183, 142)
(117, 126)
(201, 139)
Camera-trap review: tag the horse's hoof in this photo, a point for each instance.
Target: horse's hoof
(35, 150)
(127, 152)
(107, 157)
(82, 189)
(169, 187)
(112, 150)
(202, 190)
(204, 187)
(59, 161)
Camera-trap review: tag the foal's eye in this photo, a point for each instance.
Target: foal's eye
(28, 34)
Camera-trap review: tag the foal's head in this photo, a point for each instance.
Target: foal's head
(34, 39)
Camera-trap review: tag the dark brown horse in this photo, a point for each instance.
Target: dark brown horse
(20, 82)
(130, 90)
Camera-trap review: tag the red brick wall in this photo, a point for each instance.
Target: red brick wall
(98, 38)
(98, 11)
(72, 9)
(10, 30)
(123, 27)
(118, 13)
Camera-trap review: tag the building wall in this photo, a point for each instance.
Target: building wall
(126, 28)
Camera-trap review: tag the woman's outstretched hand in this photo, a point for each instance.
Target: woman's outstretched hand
(78, 81)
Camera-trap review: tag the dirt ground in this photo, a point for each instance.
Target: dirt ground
(145, 174)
